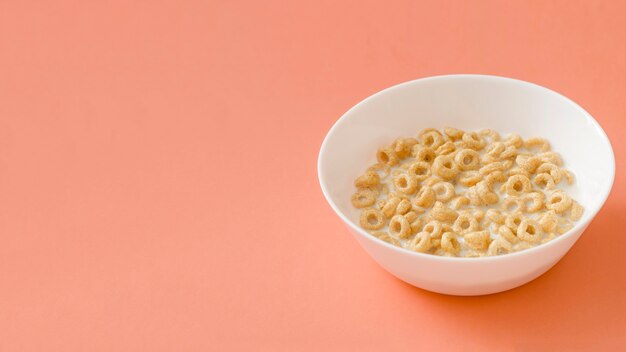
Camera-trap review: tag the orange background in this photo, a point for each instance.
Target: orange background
(158, 186)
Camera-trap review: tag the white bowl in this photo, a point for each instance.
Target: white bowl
(469, 102)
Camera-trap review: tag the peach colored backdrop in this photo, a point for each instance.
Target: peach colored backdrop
(158, 186)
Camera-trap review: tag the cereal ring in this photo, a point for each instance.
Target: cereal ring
(416, 225)
(544, 181)
(444, 191)
(535, 142)
(403, 207)
(467, 159)
(459, 202)
(473, 140)
(372, 219)
(368, 179)
(389, 208)
(517, 184)
(499, 246)
(425, 197)
(528, 163)
(568, 176)
(419, 170)
(529, 231)
(513, 205)
(518, 171)
(432, 139)
(493, 135)
(509, 152)
(514, 139)
(421, 242)
(549, 237)
(442, 213)
(402, 147)
(576, 211)
(507, 233)
(364, 198)
(399, 226)
(446, 148)
(513, 221)
(453, 133)
(551, 169)
(465, 223)
(383, 170)
(429, 130)
(485, 194)
(495, 149)
(495, 177)
(385, 237)
(549, 221)
(477, 240)
(558, 201)
(450, 243)
(492, 167)
(495, 216)
(386, 155)
(433, 229)
(551, 157)
(470, 178)
(425, 154)
(411, 216)
(533, 201)
(405, 184)
(444, 167)
(564, 226)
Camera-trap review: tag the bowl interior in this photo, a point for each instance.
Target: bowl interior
(469, 102)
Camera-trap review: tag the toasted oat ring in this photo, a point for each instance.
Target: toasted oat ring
(403, 207)
(425, 154)
(386, 155)
(444, 191)
(459, 202)
(446, 148)
(495, 216)
(433, 228)
(400, 227)
(576, 211)
(529, 231)
(425, 197)
(515, 140)
(467, 159)
(473, 140)
(558, 201)
(507, 233)
(465, 223)
(499, 246)
(386, 237)
(470, 178)
(544, 181)
(551, 169)
(364, 198)
(421, 242)
(477, 239)
(540, 143)
(442, 213)
(405, 184)
(517, 184)
(368, 179)
(453, 133)
(444, 167)
(432, 139)
(372, 219)
(420, 170)
(533, 201)
(513, 221)
(549, 221)
(402, 146)
(450, 243)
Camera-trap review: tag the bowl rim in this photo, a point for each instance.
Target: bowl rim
(590, 214)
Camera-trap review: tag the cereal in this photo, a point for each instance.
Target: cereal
(364, 198)
(444, 191)
(399, 226)
(442, 213)
(466, 194)
(372, 219)
(467, 159)
(450, 243)
(419, 170)
(445, 167)
(405, 184)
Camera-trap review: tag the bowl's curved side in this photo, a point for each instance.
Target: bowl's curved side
(466, 278)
